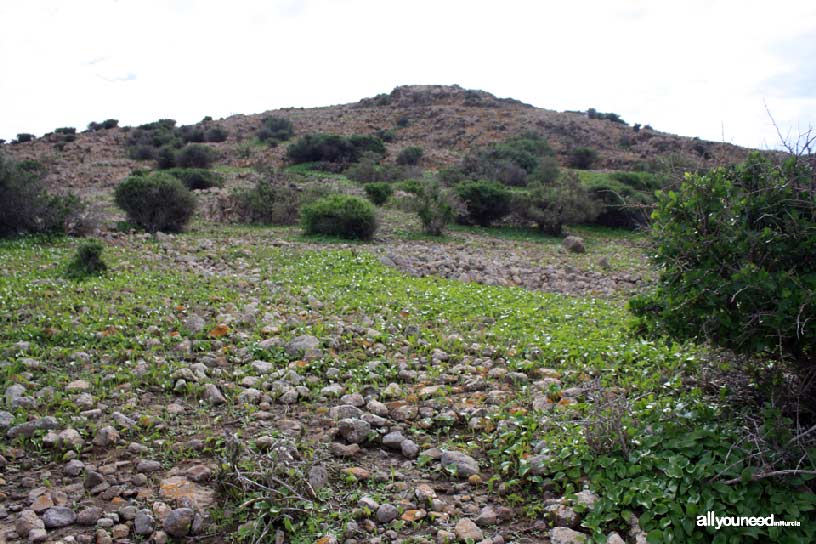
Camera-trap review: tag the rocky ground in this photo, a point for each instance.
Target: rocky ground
(252, 385)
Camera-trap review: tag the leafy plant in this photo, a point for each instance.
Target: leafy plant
(582, 158)
(410, 156)
(435, 206)
(484, 201)
(156, 202)
(275, 130)
(88, 260)
(340, 215)
(561, 203)
(195, 156)
(379, 193)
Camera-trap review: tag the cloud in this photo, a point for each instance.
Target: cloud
(115, 79)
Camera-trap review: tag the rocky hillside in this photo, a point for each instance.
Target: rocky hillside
(446, 121)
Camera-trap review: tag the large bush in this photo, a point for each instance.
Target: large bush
(156, 202)
(275, 130)
(333, 148)
(410, 156)
(564, 202)
(196, 156)
(485, 201)
(340, 215)
(271, 201)
(509, 162)
(583, 158)
(197, 178)
(26, 206)
(737, 252)
(379, 193)
(436, 207)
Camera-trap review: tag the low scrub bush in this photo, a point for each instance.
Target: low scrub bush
(216, 134)
(271, 201)
(484, 201)
(87, 261)
(332, 148)
(195, 156)
(436, 207)
(340, 215)
(564, 202)
(737, 250)
(275, 130)
(410, 156)
(582, 158)
(24, 137)
(197, 178)
(166, 157)
(157, 202)
(379, 193)
(26, 206)
(368, 171)
(509, 162)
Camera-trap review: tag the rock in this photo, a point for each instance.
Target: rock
(467, 530)
(573, 244)
(301, 345)
(37, 535)
(393, 441)
(213, 395)
(93, 479)
(318, 477)
(410, 449)
(143, 523)
(539, 464)
(178, 522)
(199, 473)
(195, 323)
(106, 436)
(386, 513)
(353, 431)
(89, 516)
(339, 449)
(487, 516)
(462, 464)
(70, 439)
(564, 535)
(26, 522)
(425, 493)
(182, 490)
(6, 419)
(586, 498)
(78, 385)
(614, 538)
(58, 516)
(147, 465)
(120, 531)
(103, 537)
(73, 468)
(345, 411)
(563, 516)
(14, 392)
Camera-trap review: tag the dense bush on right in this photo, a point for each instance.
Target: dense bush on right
(485, 201)
(340, 215)
(737, 253)
(158, 202)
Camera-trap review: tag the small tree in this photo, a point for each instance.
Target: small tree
(436, 207)
(340, 215)
(410, 156)
(156, 202)
(379, 192)
(195, 156)
(87, 261)
(564, 202)
(276, 129)
(737, 250)
(582, 158)
(485, 201)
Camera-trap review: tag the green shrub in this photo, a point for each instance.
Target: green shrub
(275, 129)
(216, 134)
(332, 148)
(340, 215)
(379, 193)
(65, 130)
(367, 170)
(270, 202)
(547, 170)
(564, 202)
(508, 162)
(410, 156)
(485, 201)
(195, 156)
(166, 157)
(26, 206)
(191, 133)
(582, 158)
(24, 137)
(451, 176)
(363, 144)
(156, 202)
(87, 261)
(435, 206)
(737, 254)
(110, 123)
(142, 152)
(197, 178)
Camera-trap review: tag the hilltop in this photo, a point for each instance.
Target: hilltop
(445, 120)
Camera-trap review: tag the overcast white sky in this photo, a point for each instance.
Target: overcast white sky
(692, 67)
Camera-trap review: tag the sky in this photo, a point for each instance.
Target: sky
(711, 69)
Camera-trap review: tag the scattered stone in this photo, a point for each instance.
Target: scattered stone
(487, 516)
(386, 513)
(178, 522)
(318, 477)
(564, 535)
(339, 449)
(147, 465)
(58, 516)
(467, 530)
(573, 244)
(410, 449)
(213, 395)
(353, 431)
(143, 523)
(463, 465)
(89, 516)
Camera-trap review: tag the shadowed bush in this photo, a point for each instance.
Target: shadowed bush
(195, 156)
(485, 201)
(87, 261)
(340, 215)
(379, 193)
(157, 202)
